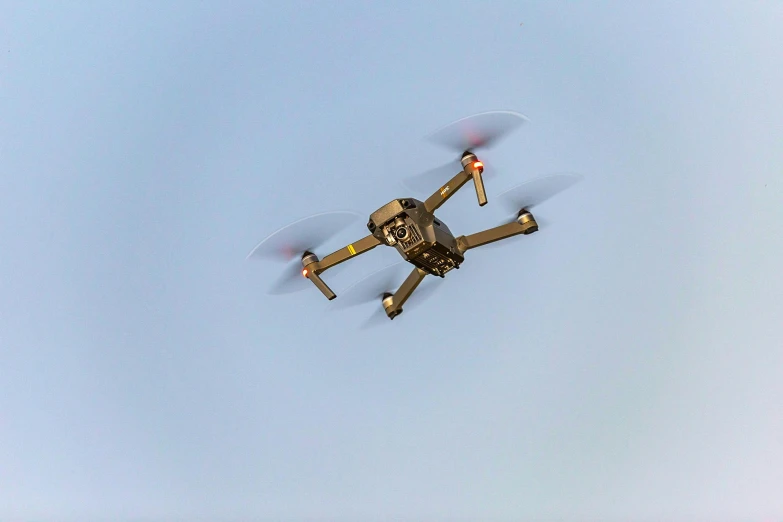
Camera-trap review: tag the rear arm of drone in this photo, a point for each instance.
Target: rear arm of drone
(404, 292)
(525, 224)
(471, 172)
(313, 270)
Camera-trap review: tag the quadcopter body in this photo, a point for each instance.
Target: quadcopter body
(419, 237)
(411, 227)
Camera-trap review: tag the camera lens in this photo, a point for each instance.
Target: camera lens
(401, 233)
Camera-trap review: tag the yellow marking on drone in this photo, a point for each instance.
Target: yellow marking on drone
(352, 250)
(444, 190)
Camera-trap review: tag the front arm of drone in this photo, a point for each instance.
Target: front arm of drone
(313, 267)
(472, 169)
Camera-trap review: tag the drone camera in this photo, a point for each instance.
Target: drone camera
(401, 231)
(394, 231)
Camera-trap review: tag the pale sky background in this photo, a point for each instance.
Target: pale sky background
(622, 365)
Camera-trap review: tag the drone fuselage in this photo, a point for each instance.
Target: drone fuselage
(410, 226)
(419, 237)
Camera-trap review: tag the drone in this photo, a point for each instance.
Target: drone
(410, 225)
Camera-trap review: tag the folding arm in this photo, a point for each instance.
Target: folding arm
(313, 267)
(393, 304)
(443, 194)
(472, 171)
(525, 224)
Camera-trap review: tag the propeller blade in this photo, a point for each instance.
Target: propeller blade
(543, 222)
(482, 130)
(372, 287)
(309, 233)
(370, 290)
(419, 296)
(535, 191)
(291, 280)
(431, 180)
(376, 320)
(485, 130)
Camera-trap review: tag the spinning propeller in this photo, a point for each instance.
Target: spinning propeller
(372, 289)
(531, 193)
(480, 131)
(288, 244)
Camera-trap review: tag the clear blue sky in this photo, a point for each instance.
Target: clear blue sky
(623, 364)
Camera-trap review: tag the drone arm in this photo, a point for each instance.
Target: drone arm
(404, 292)
(435, 201)
(365, 244)
(313, 270)
(485, 237)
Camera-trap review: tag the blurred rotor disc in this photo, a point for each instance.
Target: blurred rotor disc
(421, 294)
(371, 289)
(287, 245)
(305, 234)
(290, 280)
(530, 194)
(483, 130)
(533, 192)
